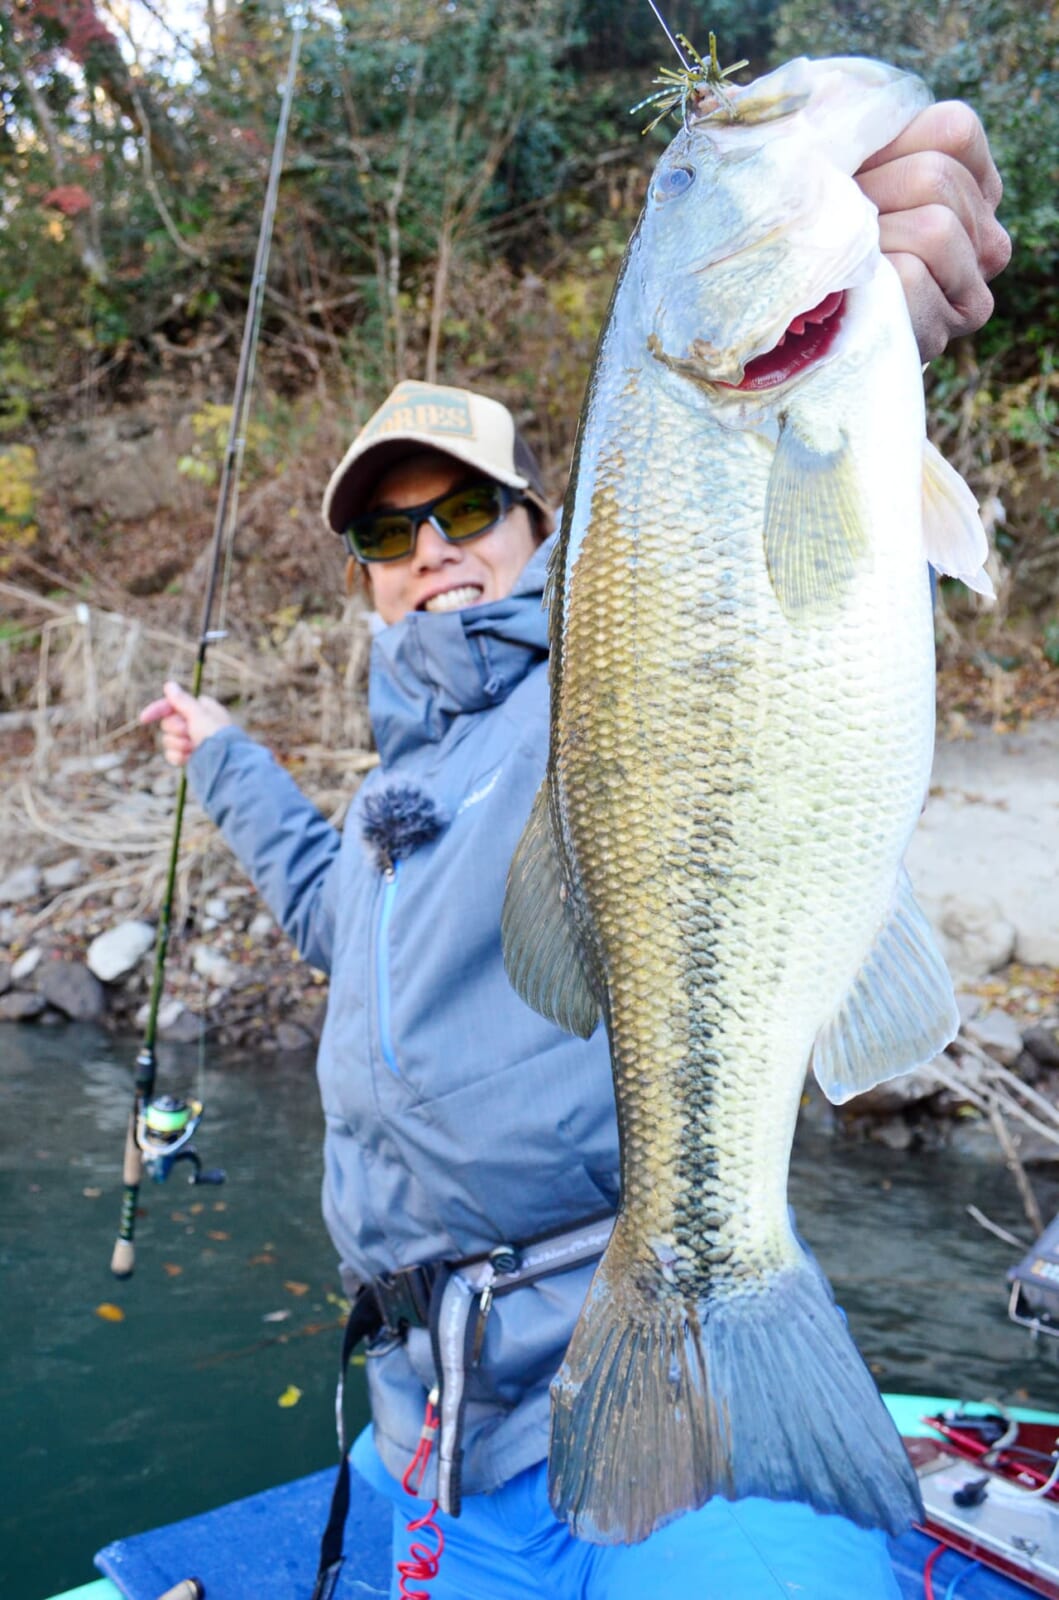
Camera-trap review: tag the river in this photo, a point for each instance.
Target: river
(218, 1380)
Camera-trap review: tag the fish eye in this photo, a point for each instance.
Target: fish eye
(674, 181)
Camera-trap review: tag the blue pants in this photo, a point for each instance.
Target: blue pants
(509, 1546)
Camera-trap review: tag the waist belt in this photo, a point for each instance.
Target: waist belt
(452, 1299)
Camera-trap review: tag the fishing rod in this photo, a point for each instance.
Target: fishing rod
(160, 1129)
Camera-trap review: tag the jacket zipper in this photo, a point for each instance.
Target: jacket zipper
(382, 965)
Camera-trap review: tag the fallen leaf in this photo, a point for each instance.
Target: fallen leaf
(110, 1313)
(275, 1316)
(220, 1205)
(262, 1259)
(295, 1288)
(290, 1396)
(178, 1216)
(217, 1233)
(197, 1207)
(91, 1194)
(171, 1269)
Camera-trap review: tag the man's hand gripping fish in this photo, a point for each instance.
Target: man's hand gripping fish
(742, 728)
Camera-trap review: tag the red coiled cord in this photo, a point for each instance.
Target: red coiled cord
(424, 1559)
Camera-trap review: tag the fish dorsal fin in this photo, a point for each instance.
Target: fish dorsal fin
(815, 539)
(955, 539)
(900, 1013)
(542, 952)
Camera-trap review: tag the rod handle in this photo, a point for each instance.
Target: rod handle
(186, 1589)
(123, 1257)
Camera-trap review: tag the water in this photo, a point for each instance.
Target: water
(108, 1428)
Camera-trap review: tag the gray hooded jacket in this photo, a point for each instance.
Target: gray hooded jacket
(456, 1117)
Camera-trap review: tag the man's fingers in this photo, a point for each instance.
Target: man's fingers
(156, 711)
(934, 234)
(953, 129)
(924, 178)
(932, 316)
(178, 698)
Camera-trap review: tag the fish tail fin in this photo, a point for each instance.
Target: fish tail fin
(663, 1403)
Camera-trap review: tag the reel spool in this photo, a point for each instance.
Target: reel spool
(164, 1130)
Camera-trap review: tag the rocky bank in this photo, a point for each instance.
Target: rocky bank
(78, 927)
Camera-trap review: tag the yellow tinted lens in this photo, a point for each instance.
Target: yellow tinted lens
(470, 511)
(383, 537)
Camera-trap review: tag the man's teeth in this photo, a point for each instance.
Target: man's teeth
(453, 599)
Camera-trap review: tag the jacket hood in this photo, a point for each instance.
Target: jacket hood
(431, 667)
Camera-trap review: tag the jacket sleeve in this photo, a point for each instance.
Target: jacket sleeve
(289, 850)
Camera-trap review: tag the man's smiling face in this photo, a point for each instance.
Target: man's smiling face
(438, 576)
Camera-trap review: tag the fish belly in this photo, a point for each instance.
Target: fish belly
(734, 793)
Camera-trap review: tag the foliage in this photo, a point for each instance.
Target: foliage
(1002, 56)
(210, 427)
(18, 499)
(461, 177)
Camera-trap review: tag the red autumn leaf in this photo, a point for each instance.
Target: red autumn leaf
(69, 198)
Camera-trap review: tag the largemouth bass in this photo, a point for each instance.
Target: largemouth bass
(742, 730)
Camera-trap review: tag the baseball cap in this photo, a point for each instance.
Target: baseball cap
(469, 427)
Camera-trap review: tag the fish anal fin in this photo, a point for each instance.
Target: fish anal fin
(953, 534)
(816, 543)
(900, 1013)
(542, 952)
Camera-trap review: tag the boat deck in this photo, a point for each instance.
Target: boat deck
(266, 1545)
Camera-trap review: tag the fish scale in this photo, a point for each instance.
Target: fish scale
(742, 722)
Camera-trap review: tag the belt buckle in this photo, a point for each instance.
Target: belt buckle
(403, 1298)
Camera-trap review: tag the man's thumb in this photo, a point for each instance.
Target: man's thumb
(179, 698)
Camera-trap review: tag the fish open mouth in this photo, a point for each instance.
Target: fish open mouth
(809, 337)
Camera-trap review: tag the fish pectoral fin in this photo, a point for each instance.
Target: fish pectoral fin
(816, 542)
(900, 1013)
(542, 952)
(955, 539)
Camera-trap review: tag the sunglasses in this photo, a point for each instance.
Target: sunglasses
(458, 515)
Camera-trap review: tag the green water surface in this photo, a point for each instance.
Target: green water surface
(109, 1428)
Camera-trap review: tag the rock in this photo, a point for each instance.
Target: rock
(27, 964)
(973, 1136)
(22, 884)
(968, 1005)
(65, 874)
(217, 908)
(50, 1018)
(1028, 1068)
(73, 990)
(1043, 1045)
(261, 926)
(185, 1029)
(174, 1021)
(114, 953)
(890, 1097)
(76, 766)
(1037, 940)
(214, 967)
(5, 976)
(1034, 1149)
(976, 937)
(998, 1034)
(18, 1006)
(312, 1017)
(122, 899)
(290, 1038)
(895, 1134)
